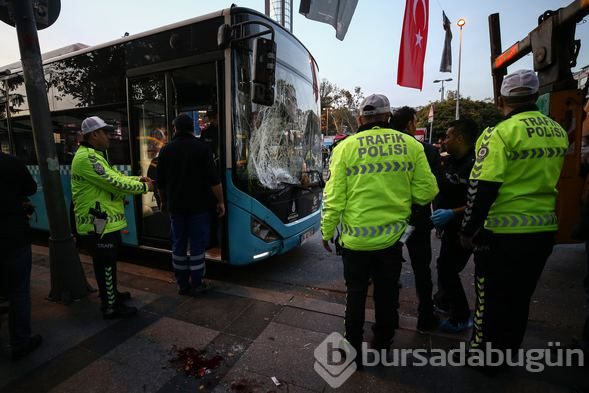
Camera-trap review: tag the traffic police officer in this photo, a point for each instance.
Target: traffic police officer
(98, 194)
(510, 215)
(375, 177)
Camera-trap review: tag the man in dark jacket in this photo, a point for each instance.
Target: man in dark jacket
(419, 243)
(450, 205)
(15, 243)
(189, 184)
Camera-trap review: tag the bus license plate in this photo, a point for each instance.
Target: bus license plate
(307, 235)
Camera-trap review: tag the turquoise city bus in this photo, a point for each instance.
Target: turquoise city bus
(269, 139)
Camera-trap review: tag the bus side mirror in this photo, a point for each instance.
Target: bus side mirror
(264, 71)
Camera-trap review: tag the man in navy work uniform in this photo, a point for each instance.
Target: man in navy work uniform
(190, 189)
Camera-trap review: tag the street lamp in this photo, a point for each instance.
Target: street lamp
(461, 22)
(442, 89)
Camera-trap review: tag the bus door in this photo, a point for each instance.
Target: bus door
(150, 130)
(155, 100)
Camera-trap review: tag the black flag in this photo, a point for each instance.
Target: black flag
(337, 13)
(446, 64)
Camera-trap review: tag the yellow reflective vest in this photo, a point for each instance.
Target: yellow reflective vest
(525, 153)
(375, 177)
(95, 180)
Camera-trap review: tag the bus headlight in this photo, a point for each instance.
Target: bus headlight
(263, 231)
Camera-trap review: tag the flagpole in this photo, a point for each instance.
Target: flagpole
(430, 119)
(461, 22)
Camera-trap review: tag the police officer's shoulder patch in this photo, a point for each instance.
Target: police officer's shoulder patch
(483, 152)
(99, 168)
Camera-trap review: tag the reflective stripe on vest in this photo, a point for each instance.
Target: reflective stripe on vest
(521, 220)
(538, 153)
(378, 167)
(373, 230)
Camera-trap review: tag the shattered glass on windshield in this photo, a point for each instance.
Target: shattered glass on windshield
(279, 145)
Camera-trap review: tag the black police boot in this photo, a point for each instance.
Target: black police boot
(119, 311)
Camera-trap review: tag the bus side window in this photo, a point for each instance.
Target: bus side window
(66, 137)
(23, 140)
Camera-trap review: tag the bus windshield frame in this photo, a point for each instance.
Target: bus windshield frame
(276, 148)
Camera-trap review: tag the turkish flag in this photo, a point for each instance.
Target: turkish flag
(413, 44)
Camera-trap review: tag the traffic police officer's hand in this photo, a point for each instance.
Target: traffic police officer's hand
(442, 216)
(149, 181)
(326, 245)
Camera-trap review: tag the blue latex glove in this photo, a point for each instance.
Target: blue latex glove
(442, 216)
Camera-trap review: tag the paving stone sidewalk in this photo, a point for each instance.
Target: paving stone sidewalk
(258, 334)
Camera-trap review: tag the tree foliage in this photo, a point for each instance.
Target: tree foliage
(327, 93)
(15, 99)
(339, 107)
(485, 113)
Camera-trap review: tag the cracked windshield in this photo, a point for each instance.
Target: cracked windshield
(277, 150)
